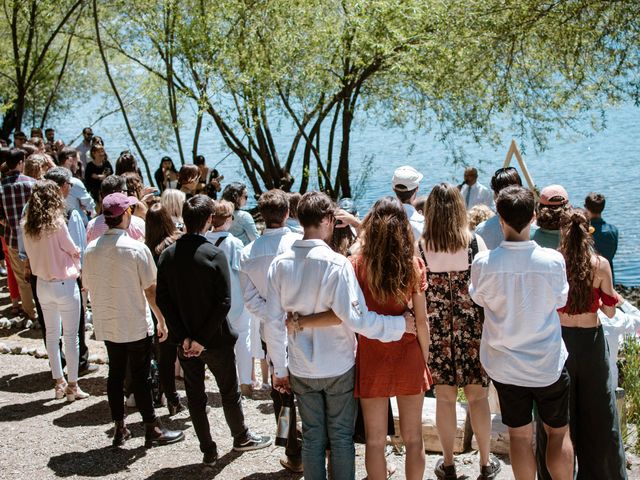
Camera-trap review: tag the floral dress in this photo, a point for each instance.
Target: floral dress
(455, 324)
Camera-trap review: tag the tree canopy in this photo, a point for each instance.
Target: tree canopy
(250, 67)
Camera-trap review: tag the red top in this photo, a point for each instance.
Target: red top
(597, 296)
(389, 369)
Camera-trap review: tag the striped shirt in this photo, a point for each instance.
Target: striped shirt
(15, 191)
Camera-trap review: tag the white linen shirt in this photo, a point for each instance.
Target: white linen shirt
(415, 219)
(254, 265)
(520, 285)
(479, 195)
(80, 200)
(312, 278)
(491, 232)
(232, 248)
(117, 270)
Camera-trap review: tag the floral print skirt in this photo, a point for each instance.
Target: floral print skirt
(455, 324)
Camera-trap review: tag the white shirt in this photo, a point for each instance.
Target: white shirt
(626, 321)
(79, 199)
(254, 265)
(294, 225)
(520, 285)
(312, 278)
(479, 194)
(415, 219)
(232, 248)
(117, 270)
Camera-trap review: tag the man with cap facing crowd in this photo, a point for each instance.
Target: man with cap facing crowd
(405, 182)
(120, 274)
(554, 202)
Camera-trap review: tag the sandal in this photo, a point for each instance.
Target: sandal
(445, 472)
(489, 472)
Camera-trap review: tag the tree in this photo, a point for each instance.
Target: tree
(39, 52)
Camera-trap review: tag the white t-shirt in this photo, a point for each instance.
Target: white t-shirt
(520, 285)
(415, 219)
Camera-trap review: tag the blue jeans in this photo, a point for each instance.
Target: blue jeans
(328, 412)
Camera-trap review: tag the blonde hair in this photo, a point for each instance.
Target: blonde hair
(34, 164)
(478, 214)
(173, 200)
(446, 228)
(222, 210)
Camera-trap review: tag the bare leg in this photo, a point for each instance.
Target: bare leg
(478, 398)
(523, 461)
(374, 411)
(410, 408)
(559, 453)
(446, 419)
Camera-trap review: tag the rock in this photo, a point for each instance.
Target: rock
(28, 324)
(5, 323)
(88, 327)
(93, 358)
(4, 348)
(429, 432)
(41, 353)
(30, 351)
(16, 350)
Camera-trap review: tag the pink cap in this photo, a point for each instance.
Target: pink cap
(116, 204)
(554, 195)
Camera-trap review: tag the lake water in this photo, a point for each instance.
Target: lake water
(606, 162)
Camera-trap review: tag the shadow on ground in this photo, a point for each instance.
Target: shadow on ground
(30, 383)
(21, 411)
(95, 463)
(196, 471)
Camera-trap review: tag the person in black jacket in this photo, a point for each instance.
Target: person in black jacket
(193, 293)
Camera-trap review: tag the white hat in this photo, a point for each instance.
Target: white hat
(406, 178)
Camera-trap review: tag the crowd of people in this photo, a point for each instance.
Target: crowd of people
(425, 295)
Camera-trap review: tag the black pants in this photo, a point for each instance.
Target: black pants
(294, 445)
(138, 355)
(166, 354)
(222, 363)
(593, 415)
(84, 350)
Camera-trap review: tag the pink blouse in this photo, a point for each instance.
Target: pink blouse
(53, 255)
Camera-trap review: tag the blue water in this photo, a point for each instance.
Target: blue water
(606, 162)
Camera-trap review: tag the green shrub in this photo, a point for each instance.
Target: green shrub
(630, 381)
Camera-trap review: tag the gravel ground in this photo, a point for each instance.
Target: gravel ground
(46, 438)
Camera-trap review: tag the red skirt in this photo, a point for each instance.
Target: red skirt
(390, 369)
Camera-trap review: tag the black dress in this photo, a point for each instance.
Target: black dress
(92, 184)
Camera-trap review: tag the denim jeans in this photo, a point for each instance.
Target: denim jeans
(328, 411)
(222, 363)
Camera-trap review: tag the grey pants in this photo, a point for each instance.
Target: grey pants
(593, 416)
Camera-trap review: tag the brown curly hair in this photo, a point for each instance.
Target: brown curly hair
(45, 211)
(387, 251)
(551, 217)
(576, 245)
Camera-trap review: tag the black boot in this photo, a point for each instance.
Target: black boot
(121, 434)
(156, 434)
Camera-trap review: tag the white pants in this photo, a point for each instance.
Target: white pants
(256, 341)
(60, 302)
(241, 325)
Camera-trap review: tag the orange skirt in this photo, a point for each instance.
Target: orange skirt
(390, 369)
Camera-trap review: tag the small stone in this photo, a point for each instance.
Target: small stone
(16, 350)
(5, 324)
(28, 324)
(31, 351)
(41, 353)
(88, 327)
(93, 358)
(4, 348)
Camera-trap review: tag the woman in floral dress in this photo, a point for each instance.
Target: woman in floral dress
(447, 248)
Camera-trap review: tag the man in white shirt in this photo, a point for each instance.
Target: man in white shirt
(85, 146)
(405, 183)
(254, 265)
(120, 274)
(521, 285)
(79, 198)
(312, 278)
(490, 229)
(474, 193)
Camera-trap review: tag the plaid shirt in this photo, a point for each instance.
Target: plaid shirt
(15, 190)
